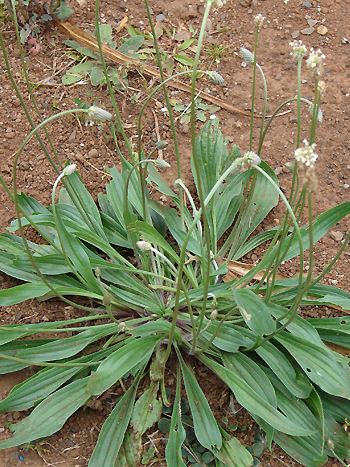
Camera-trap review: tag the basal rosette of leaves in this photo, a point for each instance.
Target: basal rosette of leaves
(292, 383)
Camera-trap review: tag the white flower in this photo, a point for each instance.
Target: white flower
(259, 19)
(144, 246)
(178, 183)
(321, 86)
(161, 164)
(315, 61)
(299, 50)
(216, 77)
(306, 155)
(247, 55)
(252, 158)
(71, 168)
(248, 160)
(96, 113)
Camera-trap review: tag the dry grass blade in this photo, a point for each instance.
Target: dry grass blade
(237, 269)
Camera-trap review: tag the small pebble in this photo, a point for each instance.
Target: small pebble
(312, 22)
(322, 30)
(307, 4)
(346, 186)
(307, 31)
(337, 235)
(278, 170)
(160, 18)
(295, 34)
(92, 153)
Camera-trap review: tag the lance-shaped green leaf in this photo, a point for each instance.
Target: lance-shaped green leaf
(121, 362)
(205, 426)
(307, 450)
(34, 389)
(254, 311)
(54, 350)
(319, 363)
(254, 402)
(50, 415)
(22, 292)
(113, 430)
(177, 433)
(320, 227)
(252, 374)
(147, 411)
(233, 453)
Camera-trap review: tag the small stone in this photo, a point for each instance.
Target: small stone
(322, 30)
(307, 31)
(182, 36)
(337, 235)
(10, 134)
(307, 4)
(295, 34)
(24, 165)
(92, 153)
(2, 429)
(278, 170)
(346, 186)
(72, 136)
(333, 281)
(160, 18)
(312, 22)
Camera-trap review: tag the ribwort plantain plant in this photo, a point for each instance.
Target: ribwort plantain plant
(155, 281)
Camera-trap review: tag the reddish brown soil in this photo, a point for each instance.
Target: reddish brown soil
(91, 148)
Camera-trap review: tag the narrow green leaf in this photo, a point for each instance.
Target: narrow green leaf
(77, 73)
(121, 362)
(319, 364)
(254, 402)
(177, 433)
(184, 59)
(320, 227)
(295, 381)
(255, 311)
(259, 204)
(131, 45)
(205, 426)
(152, 235)
(233, 454)
(34, 389)
(252, 374)
(306, 450)
(147, 410)
(59, 349)
(113, 430)
(50, 415)
(22, 292)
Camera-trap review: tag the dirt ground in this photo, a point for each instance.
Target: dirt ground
(320, 24)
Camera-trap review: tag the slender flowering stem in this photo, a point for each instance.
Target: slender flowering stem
(264, 111)
(256, 42)
(118, 117)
